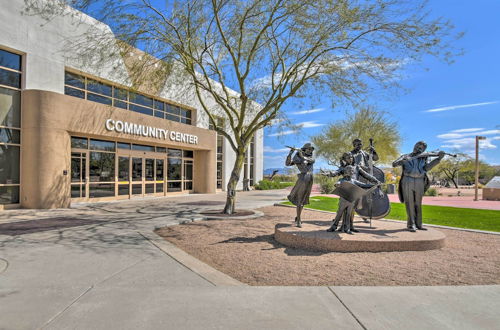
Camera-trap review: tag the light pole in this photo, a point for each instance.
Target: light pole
(477, 164)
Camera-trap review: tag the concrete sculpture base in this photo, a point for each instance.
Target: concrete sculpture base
(384, 236)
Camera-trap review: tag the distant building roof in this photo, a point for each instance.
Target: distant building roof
(494, 183)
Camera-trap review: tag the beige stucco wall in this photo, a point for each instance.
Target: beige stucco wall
(49, 120)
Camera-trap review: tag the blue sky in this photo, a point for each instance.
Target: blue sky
(446, 105)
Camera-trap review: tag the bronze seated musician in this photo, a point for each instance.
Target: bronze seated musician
(350, 173)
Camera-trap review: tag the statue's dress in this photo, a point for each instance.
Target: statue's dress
(299, 196)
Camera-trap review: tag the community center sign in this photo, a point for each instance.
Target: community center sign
(148, 131)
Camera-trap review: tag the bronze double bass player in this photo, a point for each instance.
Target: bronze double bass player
(376, 204)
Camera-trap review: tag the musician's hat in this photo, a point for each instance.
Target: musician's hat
(307, 146)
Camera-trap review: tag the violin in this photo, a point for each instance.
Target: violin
(433, 154)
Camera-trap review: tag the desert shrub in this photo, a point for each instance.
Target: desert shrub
(326, 184)
(431, 192)
(268, 185)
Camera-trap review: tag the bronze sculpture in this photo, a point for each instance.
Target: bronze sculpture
(351, 173)
(362, 157)
(303, 159)
(350, 194)
(375, 205)
(415, 182)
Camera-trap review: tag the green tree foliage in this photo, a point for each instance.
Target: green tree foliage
(336, 138)
(269, 51)
(462, 167)
(468, 170)
(449, 167)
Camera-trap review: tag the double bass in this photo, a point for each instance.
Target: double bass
(374, 205)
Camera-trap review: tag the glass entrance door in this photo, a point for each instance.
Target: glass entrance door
(137, 178)
(78, 174)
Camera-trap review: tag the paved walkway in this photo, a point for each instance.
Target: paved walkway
(105, 274)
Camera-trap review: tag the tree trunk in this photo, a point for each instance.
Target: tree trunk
(246, 181)
(233, 181)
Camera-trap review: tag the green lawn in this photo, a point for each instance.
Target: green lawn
(437, 215)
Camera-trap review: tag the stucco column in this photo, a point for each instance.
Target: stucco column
(204, 175)
(45, 157)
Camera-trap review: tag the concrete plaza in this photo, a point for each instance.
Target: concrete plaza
(111, 272)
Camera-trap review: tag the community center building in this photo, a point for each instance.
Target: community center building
(77, 129)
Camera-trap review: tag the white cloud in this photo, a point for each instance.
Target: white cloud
(309, 124)
(452, 135)
(470, 143)
(271, 149)
(466, 130)
(461, 106)
(465, 139)
(284, 133)
(305, 112)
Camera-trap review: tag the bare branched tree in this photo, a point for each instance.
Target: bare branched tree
(250, 57)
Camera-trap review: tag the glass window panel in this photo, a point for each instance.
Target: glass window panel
(188, 121)
(121, 104)
(174, 153)
(102, 145)
(149, 172)
(76, 191)
(10, 60)
(188, 185)
(136, 169)
(159, 114)
(174, 169)
(143, 147)
(150, 188)
(174, 186)
(9, 78)
(159, 169)
(185, 121)
(8, 135)
(172, 117)
(175, 110)
(74, 92)
(78, 142)
(141, 99)
(188, 153)
(74, 80)
(102, 190)
(99, 98)
(159, 187)
(122, 145)
(139, 109)
(161, 149)
(99, 87)
(137, 189)
(123, 168)
(76, 169)
(9, 164)
(120, 94)
(10, 107)
(9, 195)
(159, 105)
(123, 189)
(188, 171)
(186, 113)
(102, 166)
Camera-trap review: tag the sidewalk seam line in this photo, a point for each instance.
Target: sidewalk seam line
(180, 263)
(345, 306)
(66, 308)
